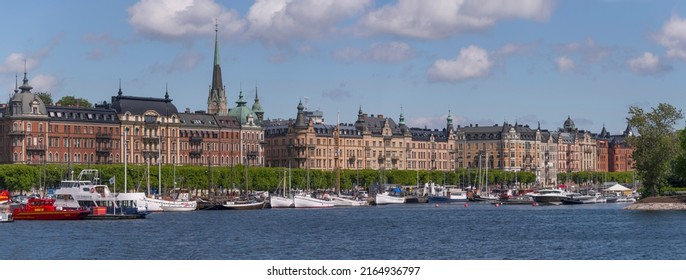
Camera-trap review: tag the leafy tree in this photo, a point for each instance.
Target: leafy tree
(71, 101)
(46, 97)
(656, 146)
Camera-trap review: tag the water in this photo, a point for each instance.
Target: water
(411, 231)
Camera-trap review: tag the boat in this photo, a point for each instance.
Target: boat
(576, 198)
(44, 209)
(549, 196)
(5, 213)
(243, 205)
(308, 201)
(386, 198)
(86, 193)
(341, 200)
(179, 202)
(281, 200)
(515, 200)
(440, 194)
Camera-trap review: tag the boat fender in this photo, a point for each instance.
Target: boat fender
(92, 190)
(466, 205)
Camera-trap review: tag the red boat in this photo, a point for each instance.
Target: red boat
(44, 209)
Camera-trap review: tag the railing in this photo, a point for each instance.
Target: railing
(35, 148)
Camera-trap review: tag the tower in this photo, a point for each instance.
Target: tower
(216, 100)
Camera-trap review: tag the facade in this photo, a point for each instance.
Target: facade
(372, 142)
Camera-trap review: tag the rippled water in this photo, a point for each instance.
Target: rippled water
(411, 231)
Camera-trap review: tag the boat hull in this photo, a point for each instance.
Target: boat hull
(51, 215)
(383, 199)
(446, 199)
(159, 205)
(281, 202)
(342, 202)
(310, 202)
(231, 205)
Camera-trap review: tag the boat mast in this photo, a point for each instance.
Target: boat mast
(337, 155)
(159, 163)
(126, 145)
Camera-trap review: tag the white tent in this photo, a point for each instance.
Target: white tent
(618, 188)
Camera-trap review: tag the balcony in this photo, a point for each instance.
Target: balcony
(35, 148)
(195, 139)
(105, 136)
(103, 150)
(17, 132)
(147, 153)
(151, 139)
(195, 153)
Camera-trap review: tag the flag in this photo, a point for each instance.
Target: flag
(112, 181)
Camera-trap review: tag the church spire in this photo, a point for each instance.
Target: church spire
(16, 84)
(216, 99)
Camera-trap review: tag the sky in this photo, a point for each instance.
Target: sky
(484, 62)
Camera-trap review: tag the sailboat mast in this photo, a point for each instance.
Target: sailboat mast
(337, 155)
(159, 163)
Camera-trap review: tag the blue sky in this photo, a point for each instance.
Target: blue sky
(485, 61)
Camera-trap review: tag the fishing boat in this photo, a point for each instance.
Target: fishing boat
(342, 200)
(308, 201)
(44, 209)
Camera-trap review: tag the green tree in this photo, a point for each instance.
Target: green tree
(656, 146)
(46, 97)
(71, 101)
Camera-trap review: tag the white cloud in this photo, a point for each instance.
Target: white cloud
(647, 64)
(276, 22)
(445, 18)
(44, 83)
(182, 19)
(380, 52)
(14, 63)
(564, 64)
(673, 37)
(472, 62)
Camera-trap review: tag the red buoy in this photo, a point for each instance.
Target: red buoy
(534, 204)
(466, 205)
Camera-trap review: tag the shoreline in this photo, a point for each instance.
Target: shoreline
(659, 203)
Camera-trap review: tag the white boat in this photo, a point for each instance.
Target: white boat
(386, 198)
(281, 202)
(440, 194)
(549, 196)
(306, 201)
(5, 213)
(86, 192)
(576, 198)
(180, 202)
(348, 201)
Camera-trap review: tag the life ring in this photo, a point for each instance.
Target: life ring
(92, 190)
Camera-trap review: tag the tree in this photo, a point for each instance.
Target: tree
(656, 146)
(71, 101)
(45, 96)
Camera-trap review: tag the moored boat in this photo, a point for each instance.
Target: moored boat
(281, 202)
(44, 209)
(386, 198)
(348, 201)
(549, 196)
(304, 201)
(243, 205)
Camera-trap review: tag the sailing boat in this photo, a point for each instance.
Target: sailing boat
(283, 200)
(179, 202)
(245, 203)
(307, 200)
(338, 199)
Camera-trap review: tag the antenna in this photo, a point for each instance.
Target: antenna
(306, 101)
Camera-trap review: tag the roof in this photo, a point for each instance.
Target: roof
(140, 105)
(80, 114)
